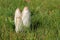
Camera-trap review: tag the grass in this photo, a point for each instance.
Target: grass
(45, 19)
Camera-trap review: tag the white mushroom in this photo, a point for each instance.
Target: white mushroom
(18, 20)
(26, 17)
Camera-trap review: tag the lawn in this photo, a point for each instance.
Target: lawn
(45, 20)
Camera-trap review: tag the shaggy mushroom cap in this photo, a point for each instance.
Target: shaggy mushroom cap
(18, 10)
(25, 8)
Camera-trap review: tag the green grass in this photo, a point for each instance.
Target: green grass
(45, 16)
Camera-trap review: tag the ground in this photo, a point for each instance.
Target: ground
(45, 20)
